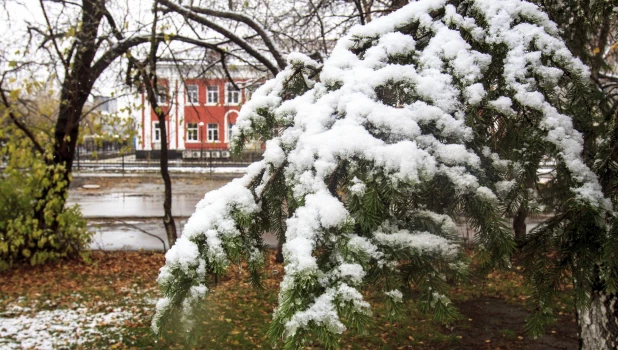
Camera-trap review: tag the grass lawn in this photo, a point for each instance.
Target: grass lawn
(109, 302)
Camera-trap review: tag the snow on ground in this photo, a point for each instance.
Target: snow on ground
(52, 329)
(22, 328)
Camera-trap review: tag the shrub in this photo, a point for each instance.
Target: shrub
(26, 177)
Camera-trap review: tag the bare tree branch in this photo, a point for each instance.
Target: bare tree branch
(252, 24)
(53, 38)
(228, 34)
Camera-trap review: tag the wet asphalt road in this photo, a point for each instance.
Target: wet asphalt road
(125, 211)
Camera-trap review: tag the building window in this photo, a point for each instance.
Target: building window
(106, 104)
(192, 94)
(249, 90)
(192, 132)
(233, 94)
(156, 132)
(161, 94)
(213, 132)
(213, 95)
(229, 132)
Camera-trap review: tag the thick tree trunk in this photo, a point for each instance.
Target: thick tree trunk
(598, 325)
(66, 131)
(73, 97)
(74, 93)
(82, 67)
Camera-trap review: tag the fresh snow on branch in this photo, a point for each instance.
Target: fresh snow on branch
(351, 151)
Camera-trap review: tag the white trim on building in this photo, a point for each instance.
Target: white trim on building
(233, 96)
(228, 126)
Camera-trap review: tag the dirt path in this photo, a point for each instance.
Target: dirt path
(494, 324)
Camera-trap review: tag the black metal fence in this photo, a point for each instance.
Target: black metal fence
(129, 163)
(105, 149)
(117, 157)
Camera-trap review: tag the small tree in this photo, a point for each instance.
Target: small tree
(440, 109)
(74, 45)
(25, 151)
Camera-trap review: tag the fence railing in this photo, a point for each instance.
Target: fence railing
(119, 159)
(103, 150)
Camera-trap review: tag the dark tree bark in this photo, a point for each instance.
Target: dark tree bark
(397, 4)
(152, 93)
(519, 223)
(168, 218)
(519, 219)
(279, 255)
(147, 72)
(81, 70)
(150, 82)
(76, 87)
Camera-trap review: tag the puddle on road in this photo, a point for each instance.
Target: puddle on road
(133, 204)
(143, 199)
(129, 235)
(141, 203)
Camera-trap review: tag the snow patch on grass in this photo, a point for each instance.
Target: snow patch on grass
(62, 328)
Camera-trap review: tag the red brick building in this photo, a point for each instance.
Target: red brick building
(200, 113)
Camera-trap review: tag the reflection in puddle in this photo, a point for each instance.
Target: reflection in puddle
(145, 200)
(122, 235)
(132, 204)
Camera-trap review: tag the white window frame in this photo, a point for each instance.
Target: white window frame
(228, 91)
(156, 132)
(212, 95)
(249, 91)
(191, 94)
(212, 130)
(196, 133)
(230, 126)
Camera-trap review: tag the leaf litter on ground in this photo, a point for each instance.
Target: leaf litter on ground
(109, 303)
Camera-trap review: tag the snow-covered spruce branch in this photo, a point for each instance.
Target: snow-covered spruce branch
(401, 120)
